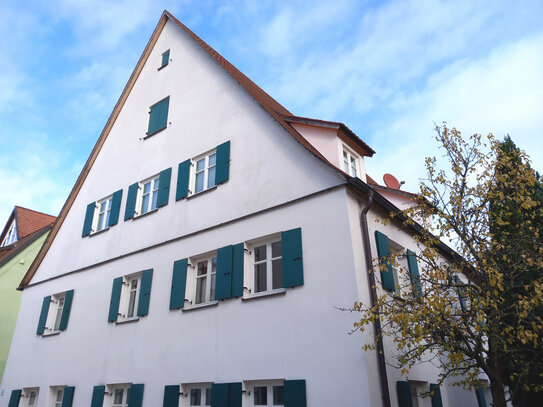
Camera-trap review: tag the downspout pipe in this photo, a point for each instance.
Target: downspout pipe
(385, 395)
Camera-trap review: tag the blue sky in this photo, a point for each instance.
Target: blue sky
(389, 70)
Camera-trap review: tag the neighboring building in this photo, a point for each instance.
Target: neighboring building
(20, 241)
(202, 253)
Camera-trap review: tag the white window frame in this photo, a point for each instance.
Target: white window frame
(154, 187)
(97, 225)
(111, 390)
(210, 279)
(400, 269)
(186, 392)
(417, 388)
(205, 171)
(127, 298)
(26, 397)
(54, 315)
(249, 278)
(54, 392)
(269, 384)
(11, 235)
(348, 158)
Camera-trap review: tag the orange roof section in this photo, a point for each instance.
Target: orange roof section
(29, 221)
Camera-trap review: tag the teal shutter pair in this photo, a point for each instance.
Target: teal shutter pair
(64, 316)
(162, 198)
(134, 400)
(222, 171)
(403, 390)
(226, 395)
(144, 298)
(158, 116)
(113, 215)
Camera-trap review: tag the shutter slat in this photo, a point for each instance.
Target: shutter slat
(183, 174)
(98, 393)
(145, 292)
(115, 299)
(295, 393)
(66, 310)
(115, 207)
(387, 275)
(171, 396)
(68, 397)
(403, 390)
(179, 282)
(223, 163)
(136, 395)
(131, 201)
(238, 257)
(14, 398)
(292, 260)
(414, 273)
(219, 395)
(164, 188)
(436, 396)
(43, 315)
(89, 214)
(223, 282)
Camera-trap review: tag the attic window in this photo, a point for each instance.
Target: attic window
(165, 59)
(11, 236)
(350, 163)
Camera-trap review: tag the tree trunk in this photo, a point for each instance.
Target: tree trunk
(498, 392)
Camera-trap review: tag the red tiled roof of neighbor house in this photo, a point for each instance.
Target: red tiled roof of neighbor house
(29, 221)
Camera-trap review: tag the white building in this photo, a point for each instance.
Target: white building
(202, 254)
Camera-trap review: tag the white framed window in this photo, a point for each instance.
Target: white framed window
(206, 272)
(119, 395)
(266, 392)
(196, 394)
(350, 163)
(102, 213)
(399, 267)
(57, 394)
(203, 172)
(130, 296)
(29, 397)
(147, 195)
(54, 315)
(11, 235)
(417, 389)
(266, 259)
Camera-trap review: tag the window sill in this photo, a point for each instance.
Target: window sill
(55, 333)
(148, 135)
(145, 214)
(277, 291)
(200, 306)
(163, 66)
(201, 192)
(127, 320)
(100, 231)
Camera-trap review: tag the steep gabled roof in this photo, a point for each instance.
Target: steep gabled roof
(269, 104)
(28, 221)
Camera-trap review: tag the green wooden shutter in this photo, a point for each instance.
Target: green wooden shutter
(414, 273)
(295, 394)
(89, 214)
(43, 315)
(164, 188)
(223, 282)
(234, 394)
(135, 398)
(183, 174)
(165, 58)
(292, 260)
(98, 396)
(403, 389)
(14, 398)
(171, 396)
(480, 393)
(436, 397)
(179, 283)
(66, 310)
(158, 116)
(219, 395)
(238, 254)
(223, 163)
(131, 201)
(115, 207)
(387, 275)
(145, 292)
(68, 397)
(115, 299)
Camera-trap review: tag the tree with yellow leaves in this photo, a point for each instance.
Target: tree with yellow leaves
(479, 309)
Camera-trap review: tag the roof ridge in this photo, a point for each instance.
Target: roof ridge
(33, 210)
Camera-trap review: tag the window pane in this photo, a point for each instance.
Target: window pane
(212, 159)
(131, 303)
(118, 398)
(278, 395)
(202, 268)
(199, 182)
(147, 187)
(145, 204)
(195, 397)
(277, 277)
(260, 277)
(32, 398)
(261, 395)
(156, 184)
(208, 396)
(260, 253)
(211, 177)
(155, 197)
(200, 164)
(276, 249)
(212, 293)
(200, 290)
